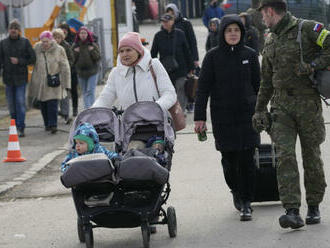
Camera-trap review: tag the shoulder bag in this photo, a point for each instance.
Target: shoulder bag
(321, 78)
(52, 80)
(176, 112)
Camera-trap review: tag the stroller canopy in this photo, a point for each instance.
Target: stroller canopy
(104, 121)
(146, 113)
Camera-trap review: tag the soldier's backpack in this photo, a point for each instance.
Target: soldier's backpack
(266, 176)
(321, 78)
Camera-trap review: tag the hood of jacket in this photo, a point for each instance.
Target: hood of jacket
(248, 19)
(226, 21)
(143, 63)
(215, 21)
(87, 129)
(175, 9)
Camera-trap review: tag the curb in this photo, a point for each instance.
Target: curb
(28, 174)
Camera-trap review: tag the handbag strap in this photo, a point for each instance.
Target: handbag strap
(46, 62)
(153, 74)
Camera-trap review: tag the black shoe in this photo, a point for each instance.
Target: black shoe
(236, 200)
(20, 132)
(53, 130)
(291, 219)
(47, 128)
(313, 215)
(246, 211)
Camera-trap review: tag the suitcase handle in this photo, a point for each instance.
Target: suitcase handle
(257, 156)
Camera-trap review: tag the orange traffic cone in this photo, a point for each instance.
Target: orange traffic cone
(14, 153)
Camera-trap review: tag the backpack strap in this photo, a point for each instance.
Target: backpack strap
(301, 22)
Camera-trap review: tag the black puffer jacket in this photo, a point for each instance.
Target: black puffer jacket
(163, 44)
(230, 75)
(16, 75)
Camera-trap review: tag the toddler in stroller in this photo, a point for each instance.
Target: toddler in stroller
(138, 185)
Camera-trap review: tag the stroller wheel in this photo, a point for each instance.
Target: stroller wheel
(171, 222)
(145, 234)
(89, 239)
(80, 228)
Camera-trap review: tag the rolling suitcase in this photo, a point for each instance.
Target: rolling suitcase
(266, 179)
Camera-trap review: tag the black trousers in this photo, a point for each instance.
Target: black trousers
(74, 89)
(240, 172)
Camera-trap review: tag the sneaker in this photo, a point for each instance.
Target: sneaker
(236, 200)
(291, 219)
(99, 200)
(246, 212)
(20, 132)
(313, 215)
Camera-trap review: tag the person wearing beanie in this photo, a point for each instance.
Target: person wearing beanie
(16, 53)
(87, 57)
(131, 80)
(86, 141)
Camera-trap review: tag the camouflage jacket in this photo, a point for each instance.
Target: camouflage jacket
(281, 56)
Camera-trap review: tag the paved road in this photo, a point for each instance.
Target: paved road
(39, 212)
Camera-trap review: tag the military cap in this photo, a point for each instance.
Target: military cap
(265, 3)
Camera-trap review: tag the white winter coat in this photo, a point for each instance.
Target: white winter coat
(120, 85)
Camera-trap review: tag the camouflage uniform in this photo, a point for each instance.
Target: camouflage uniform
(257, 23)
(296, 107)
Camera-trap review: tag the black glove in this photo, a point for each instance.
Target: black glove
(261, 121)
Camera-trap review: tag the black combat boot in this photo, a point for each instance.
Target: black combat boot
(236, 200)
(313, 215)
(246, 211)
(291, 219)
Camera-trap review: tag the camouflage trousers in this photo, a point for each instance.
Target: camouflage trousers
(293, 116)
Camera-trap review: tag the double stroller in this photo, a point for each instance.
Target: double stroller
(129, 193)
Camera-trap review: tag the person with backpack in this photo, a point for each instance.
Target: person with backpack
(295, 107)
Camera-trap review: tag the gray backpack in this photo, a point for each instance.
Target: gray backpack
(321, 78)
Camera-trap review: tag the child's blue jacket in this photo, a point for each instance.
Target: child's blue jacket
(87, 130)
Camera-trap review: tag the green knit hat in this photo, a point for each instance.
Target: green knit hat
(88, 140)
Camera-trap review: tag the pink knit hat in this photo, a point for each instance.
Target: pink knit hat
(133, 40)
(46, 34)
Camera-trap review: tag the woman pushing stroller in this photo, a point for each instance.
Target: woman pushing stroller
(131, 80)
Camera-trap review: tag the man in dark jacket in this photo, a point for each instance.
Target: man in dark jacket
(16, 53)
(230, 76)
(171, 45)
(251, 33)
(185, 25)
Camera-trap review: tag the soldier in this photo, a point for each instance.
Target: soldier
(296, 107)
(257, 23)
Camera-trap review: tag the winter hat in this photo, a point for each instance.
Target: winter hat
(46, 34)
(133, 40)
(87, 139)
(14, 24)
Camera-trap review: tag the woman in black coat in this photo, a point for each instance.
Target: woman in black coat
(230, 75)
